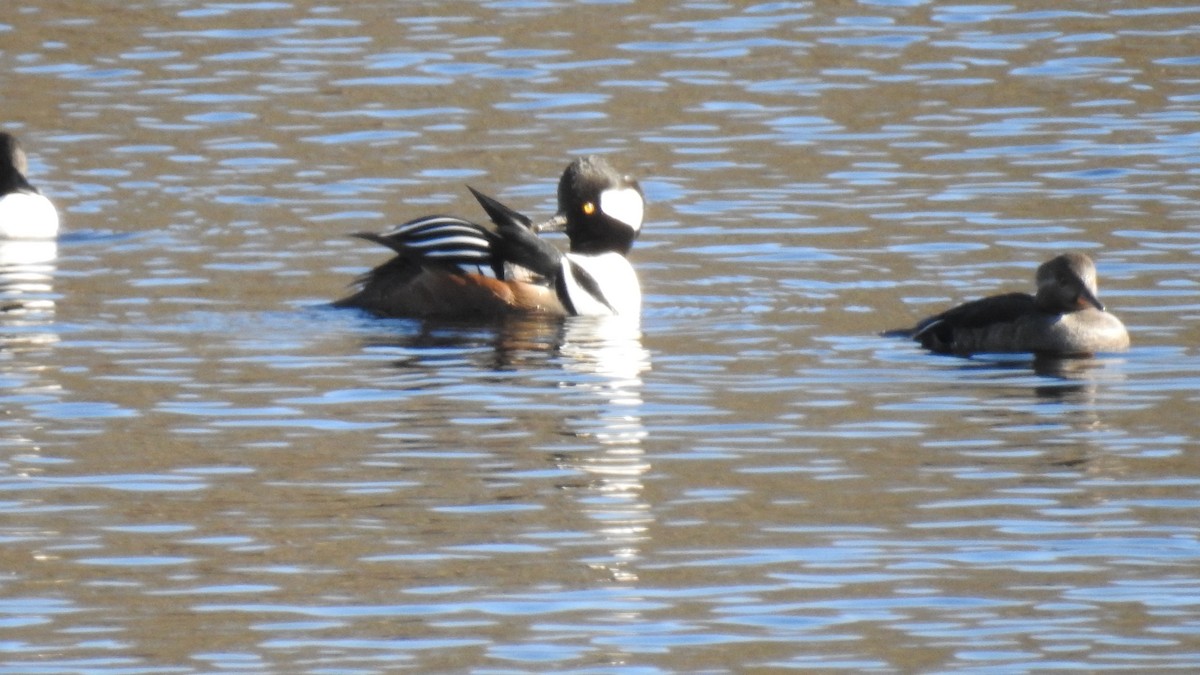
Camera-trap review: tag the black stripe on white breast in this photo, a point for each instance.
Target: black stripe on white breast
(581, 279)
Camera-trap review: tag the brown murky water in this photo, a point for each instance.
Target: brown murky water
(204, 468)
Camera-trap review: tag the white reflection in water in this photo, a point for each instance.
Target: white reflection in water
(27, 283)
(26, 312)
(607, 355)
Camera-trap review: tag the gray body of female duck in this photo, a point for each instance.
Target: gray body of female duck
(1065, 318)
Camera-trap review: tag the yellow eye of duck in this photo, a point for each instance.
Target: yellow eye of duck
(588, 208)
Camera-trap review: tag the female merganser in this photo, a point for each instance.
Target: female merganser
(1065, 318)
(447, 266)
(24, 212)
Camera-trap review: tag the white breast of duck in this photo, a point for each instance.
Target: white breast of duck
(599, 284)
(24, 212)
(27, 215)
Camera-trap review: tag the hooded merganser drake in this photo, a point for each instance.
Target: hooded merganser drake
(1065, 318)
(24, 212)
(447, 266)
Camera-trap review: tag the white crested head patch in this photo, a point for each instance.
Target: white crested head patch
(625, 205)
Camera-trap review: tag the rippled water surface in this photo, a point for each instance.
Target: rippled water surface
(204, 468)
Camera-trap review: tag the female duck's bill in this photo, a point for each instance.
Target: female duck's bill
(447, 266)
(1064, 318)
(24, 212)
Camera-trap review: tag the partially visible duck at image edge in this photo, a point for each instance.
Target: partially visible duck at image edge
(1064, 318)
(24, 212)
(448, 266)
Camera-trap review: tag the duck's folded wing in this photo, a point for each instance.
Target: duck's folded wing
(975, 314)
(516, 241)
(444, 240)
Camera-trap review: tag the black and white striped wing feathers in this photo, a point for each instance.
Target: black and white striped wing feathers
(446, 240)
